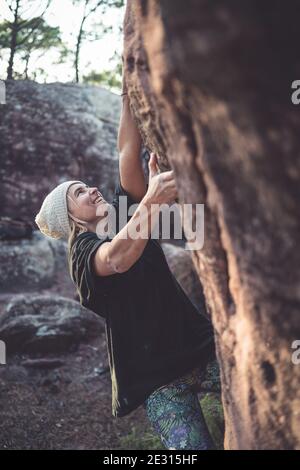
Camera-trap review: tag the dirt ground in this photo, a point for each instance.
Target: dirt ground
(65, 407)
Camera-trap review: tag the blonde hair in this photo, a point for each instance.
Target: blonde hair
(75, 227)
(75, 230)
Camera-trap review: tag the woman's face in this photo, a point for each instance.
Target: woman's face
(86, 203)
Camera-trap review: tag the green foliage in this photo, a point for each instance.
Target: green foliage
(212, 380)
(43, 38)
(111, 79)
(25, 35)
(96, 3)
(138, 438)
(107, 78)
(5, 35)
(213, 412)
(32, 34)
(25, 31)
(94, 31)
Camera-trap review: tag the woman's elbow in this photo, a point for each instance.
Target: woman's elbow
(118, 264)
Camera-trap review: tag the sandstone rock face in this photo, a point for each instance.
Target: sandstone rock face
(54, 132)
(210, 84)
(46, 324)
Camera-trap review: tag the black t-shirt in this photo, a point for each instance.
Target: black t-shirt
(154, 332)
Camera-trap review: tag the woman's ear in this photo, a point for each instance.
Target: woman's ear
(80, 223)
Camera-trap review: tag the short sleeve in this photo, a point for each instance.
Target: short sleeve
(81, 269)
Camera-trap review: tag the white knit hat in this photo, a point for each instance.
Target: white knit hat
(53, 219)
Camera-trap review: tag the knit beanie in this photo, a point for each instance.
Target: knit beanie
(53, 219)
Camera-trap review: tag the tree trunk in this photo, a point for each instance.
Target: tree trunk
(27, 58)
(210, 83)
(78, 42)
(13, 42)
(78, 45)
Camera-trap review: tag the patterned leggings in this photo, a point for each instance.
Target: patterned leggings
(175, 413)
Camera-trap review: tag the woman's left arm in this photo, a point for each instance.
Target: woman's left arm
(129, 146)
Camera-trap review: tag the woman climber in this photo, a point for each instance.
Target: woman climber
(158, 343)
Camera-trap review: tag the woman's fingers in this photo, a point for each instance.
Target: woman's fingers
(170, 186)
(169, 181)
(152, 165)
(168, 175)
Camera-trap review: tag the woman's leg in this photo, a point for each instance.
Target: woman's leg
(175, 413)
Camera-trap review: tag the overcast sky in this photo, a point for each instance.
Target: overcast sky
(94, 56)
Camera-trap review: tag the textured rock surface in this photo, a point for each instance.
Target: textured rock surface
(50, 133)
(46, 324)
(210, 84)
(26, 264)
(11, 229)
(31, 264)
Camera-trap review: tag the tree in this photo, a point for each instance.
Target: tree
(89, 8)
(17, 31)
(41, 39)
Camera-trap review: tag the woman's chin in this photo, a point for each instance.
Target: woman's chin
(102, 209)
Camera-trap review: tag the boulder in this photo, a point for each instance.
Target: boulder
(46, 324)
(27, 264)
(11, 229)
(35, 263)
(51, 133)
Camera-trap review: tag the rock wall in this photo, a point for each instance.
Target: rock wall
(210, 85)
(50, 133)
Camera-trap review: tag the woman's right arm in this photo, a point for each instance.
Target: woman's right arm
(118, 255)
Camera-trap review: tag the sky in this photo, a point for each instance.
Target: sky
(94, 56)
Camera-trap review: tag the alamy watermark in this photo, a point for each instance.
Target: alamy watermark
(295, 97)
(146, 222)
(2, 352)
(296, 353)
(2, 92)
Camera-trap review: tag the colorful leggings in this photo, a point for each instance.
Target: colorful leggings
(175, 413)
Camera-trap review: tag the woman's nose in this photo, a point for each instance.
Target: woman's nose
(92, 190)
